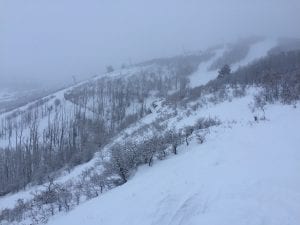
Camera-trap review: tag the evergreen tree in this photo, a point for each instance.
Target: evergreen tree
(224, 71)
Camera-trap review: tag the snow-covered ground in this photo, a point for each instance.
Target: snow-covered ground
(245, 173)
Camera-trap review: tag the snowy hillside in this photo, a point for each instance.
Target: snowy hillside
(256, 51)
(244, 174)
(168, 141)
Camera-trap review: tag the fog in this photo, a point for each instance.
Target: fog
(46, 42)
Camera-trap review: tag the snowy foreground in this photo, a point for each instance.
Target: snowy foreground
(245, 173)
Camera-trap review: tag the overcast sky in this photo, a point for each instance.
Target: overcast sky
(52, 40)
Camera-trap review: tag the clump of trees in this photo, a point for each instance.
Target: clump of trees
(109, 69)
(126, 157)
(57, 197)
(224, 71)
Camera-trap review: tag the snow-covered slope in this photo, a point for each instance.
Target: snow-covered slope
(203, 74)
(256, 51)
(245, 173)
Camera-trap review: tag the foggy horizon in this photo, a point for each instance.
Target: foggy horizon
(48, 42)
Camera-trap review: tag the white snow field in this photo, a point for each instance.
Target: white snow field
(244, 174)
